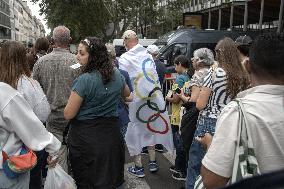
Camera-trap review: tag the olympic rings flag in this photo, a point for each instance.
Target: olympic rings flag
(149, 120)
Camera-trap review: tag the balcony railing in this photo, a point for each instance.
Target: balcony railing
(199, 5)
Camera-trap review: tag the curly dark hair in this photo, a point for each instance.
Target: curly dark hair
(98, 58)
(227, 57)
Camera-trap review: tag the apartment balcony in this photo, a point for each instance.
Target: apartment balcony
(225, 14)
(202, 5)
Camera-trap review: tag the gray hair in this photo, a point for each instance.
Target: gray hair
(111, 50)
(204, 56)
(61, 35)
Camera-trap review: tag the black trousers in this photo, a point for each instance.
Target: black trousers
(97, 153)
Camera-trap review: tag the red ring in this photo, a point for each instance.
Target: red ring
(155, 131)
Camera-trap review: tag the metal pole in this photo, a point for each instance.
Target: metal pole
(246, 16)
(261, 15)
(220, 19)
(209, 20)
(232, 16)
(280, 17)
(193, 5)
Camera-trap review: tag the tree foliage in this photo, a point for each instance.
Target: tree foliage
(82, 17)
(94, 17)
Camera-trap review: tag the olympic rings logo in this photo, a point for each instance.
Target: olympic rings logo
(152, 105)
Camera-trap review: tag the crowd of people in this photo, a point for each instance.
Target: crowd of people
(81, 111)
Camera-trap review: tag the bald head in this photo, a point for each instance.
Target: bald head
(61, 36)
(130, 39)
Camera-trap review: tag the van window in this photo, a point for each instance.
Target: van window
(195, 46)
(172, 52)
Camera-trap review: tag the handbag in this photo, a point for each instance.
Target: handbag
(245, 162)
(16, 165)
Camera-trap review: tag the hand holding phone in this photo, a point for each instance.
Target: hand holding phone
(178, 90)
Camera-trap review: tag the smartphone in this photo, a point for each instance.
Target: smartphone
(170, 94)
(178, 90)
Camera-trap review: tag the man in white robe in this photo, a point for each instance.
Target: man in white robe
(149, 120)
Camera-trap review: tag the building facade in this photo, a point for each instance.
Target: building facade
(17, 23)
(5, 24)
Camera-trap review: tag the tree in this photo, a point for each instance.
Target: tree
(93, 17)
(83, 17)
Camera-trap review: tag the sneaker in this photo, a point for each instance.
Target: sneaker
(179, 176)
(159, 148)
(173, 169)
(144, 151)
(153, 166)
(136, 171)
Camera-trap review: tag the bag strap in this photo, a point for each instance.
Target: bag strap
(236, 155)
(244, 147)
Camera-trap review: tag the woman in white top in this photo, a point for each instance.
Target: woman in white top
(18, 123)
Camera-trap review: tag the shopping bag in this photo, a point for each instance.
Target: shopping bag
(57, 178)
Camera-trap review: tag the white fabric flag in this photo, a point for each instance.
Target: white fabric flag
(149, 120)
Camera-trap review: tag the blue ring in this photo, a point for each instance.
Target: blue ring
(145, 73)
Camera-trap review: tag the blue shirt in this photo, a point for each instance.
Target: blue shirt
(99, 100)
(181, 79)
(122, 107)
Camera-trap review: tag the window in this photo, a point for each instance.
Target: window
(170, 53)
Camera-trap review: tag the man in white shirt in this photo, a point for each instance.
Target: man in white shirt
(264, 106)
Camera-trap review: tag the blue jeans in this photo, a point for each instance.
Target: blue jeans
(180, 161)
(196, 151)
(123, 129)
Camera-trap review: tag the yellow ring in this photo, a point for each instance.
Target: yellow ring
(140, 75)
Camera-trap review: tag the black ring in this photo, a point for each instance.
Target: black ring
(149, 102)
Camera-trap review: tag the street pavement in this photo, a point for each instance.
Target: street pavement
(159, 180)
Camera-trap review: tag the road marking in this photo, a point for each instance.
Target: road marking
(133, 182)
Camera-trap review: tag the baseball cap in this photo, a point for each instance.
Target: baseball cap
(153, 49)
(243, 40)
(129, 34)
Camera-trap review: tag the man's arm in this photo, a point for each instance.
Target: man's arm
(217, 165)
(212, 180)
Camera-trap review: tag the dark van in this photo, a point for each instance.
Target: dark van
(185, 41)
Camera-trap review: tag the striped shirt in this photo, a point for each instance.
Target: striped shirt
(216, 80)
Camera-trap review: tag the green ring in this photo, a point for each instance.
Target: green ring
(148, 121)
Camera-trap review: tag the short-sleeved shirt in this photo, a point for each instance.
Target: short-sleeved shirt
(196, 80)
(55, 75)
(198, 77)
(264, 107)
(216, 80)
(122, 109)
(179, 83)
(99, 100)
